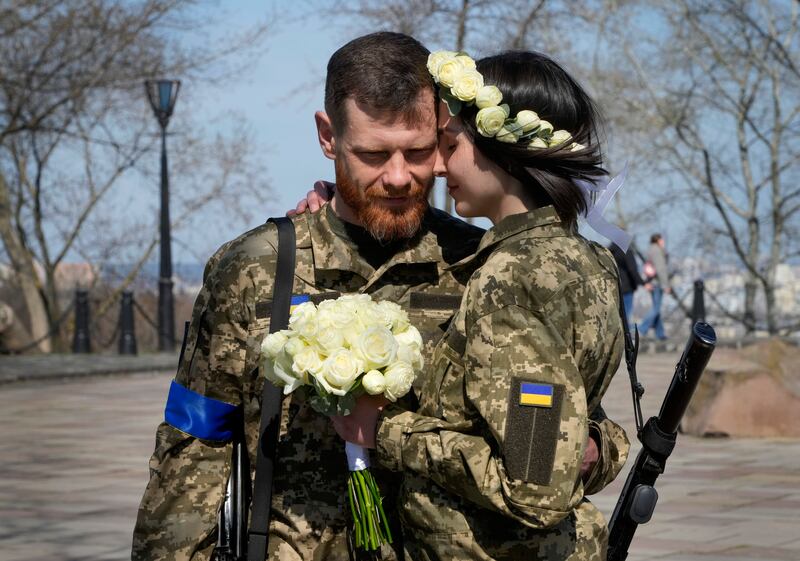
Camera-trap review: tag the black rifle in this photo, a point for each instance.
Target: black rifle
(235, 541)
(638, 499)
(232, 523)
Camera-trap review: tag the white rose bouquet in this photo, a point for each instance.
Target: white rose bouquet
(335, 352)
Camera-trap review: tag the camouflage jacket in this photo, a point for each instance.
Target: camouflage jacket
(492, 457)
(189, 468)
(217, 375)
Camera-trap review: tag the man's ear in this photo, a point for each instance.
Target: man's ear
(325, 134)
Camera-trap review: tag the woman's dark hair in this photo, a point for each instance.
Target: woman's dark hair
(530, 80)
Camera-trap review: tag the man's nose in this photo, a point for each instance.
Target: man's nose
(397, 174)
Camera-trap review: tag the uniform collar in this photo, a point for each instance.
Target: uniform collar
(538, 223)
(331, 252)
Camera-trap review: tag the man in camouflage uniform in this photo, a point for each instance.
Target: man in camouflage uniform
(380, 129)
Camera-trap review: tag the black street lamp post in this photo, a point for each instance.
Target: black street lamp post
(162, 95)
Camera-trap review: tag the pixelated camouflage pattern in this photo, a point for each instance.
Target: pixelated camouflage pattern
(543, 307)
(178, 514)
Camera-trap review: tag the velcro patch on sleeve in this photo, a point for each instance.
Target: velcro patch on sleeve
(533, 424)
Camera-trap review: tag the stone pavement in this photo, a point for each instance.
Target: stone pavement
(74, 465)
(41, 367)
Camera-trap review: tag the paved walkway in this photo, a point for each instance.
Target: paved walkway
(74, 465)
(59, 366)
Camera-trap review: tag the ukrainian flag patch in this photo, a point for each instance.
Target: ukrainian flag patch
(297, 299)
(536, 395)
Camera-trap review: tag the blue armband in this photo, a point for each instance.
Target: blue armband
(201, 416)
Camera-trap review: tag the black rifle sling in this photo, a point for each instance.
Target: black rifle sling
(271, 397)
(631, 353)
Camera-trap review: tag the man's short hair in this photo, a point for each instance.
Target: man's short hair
(655, 238)
(385, 71)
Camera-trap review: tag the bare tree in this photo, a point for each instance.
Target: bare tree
(723, 86)
(74, 128)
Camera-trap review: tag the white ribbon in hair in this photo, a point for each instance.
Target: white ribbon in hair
(594, 215)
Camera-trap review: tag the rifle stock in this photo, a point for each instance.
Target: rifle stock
(638, 498)
(232, 524)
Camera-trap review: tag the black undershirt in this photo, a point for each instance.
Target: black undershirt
(374, 252)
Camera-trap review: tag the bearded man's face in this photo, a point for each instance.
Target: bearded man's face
(384, 167)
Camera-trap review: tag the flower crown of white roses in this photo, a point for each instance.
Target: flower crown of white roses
(461, 84)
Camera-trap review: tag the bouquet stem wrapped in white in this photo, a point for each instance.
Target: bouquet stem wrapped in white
(334, 353)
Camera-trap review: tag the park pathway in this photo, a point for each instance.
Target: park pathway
(74, 465)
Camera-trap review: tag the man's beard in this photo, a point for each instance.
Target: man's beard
(384, 223)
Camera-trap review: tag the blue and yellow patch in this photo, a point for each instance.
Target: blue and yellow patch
(536, 395)
(297, 299)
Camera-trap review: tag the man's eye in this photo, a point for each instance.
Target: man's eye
(420, 153)
(373, 156)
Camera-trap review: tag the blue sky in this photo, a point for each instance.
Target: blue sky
(277, 96)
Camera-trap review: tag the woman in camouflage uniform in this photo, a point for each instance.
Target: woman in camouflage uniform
(491, 459)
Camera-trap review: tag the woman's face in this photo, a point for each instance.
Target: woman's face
(475, 183)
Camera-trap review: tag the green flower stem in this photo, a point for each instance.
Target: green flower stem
(370, 524)
(363, 513)
(381, 513)
(374, 522)
(365, 495)
(354, 511)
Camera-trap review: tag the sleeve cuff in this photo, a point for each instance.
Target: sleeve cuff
(614, 447)
(389, 437)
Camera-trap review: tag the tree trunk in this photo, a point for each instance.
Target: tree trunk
(25, 272)
(749, 317)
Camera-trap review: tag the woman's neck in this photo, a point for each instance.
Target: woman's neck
(515, 201)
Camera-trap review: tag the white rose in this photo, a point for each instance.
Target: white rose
(545, 128)
(336, 314)
(294, 345)
(490, 120)
(373, 382)
(376, 346)
(410, 336)
(273, 343)
(329, 338)
(370, 316)
(412, 355)
(307, 361)
(488, 96)
(559, 137)
(467, 85)
(449, 71)
(435, 59)
(354, 302)
(304, 319)
(394, 317)
(509, 133)
(339, 372)
(537, 143)
(574, 147)
(528, 120)
(466, 62)
(279, 372)
(398, 376)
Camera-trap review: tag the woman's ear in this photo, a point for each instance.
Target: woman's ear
(325, 134)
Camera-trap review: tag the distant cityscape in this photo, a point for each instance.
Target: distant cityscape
(724, 285)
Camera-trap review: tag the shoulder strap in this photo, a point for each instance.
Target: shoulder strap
(271, 397)
(631, 353)
(631, 349)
